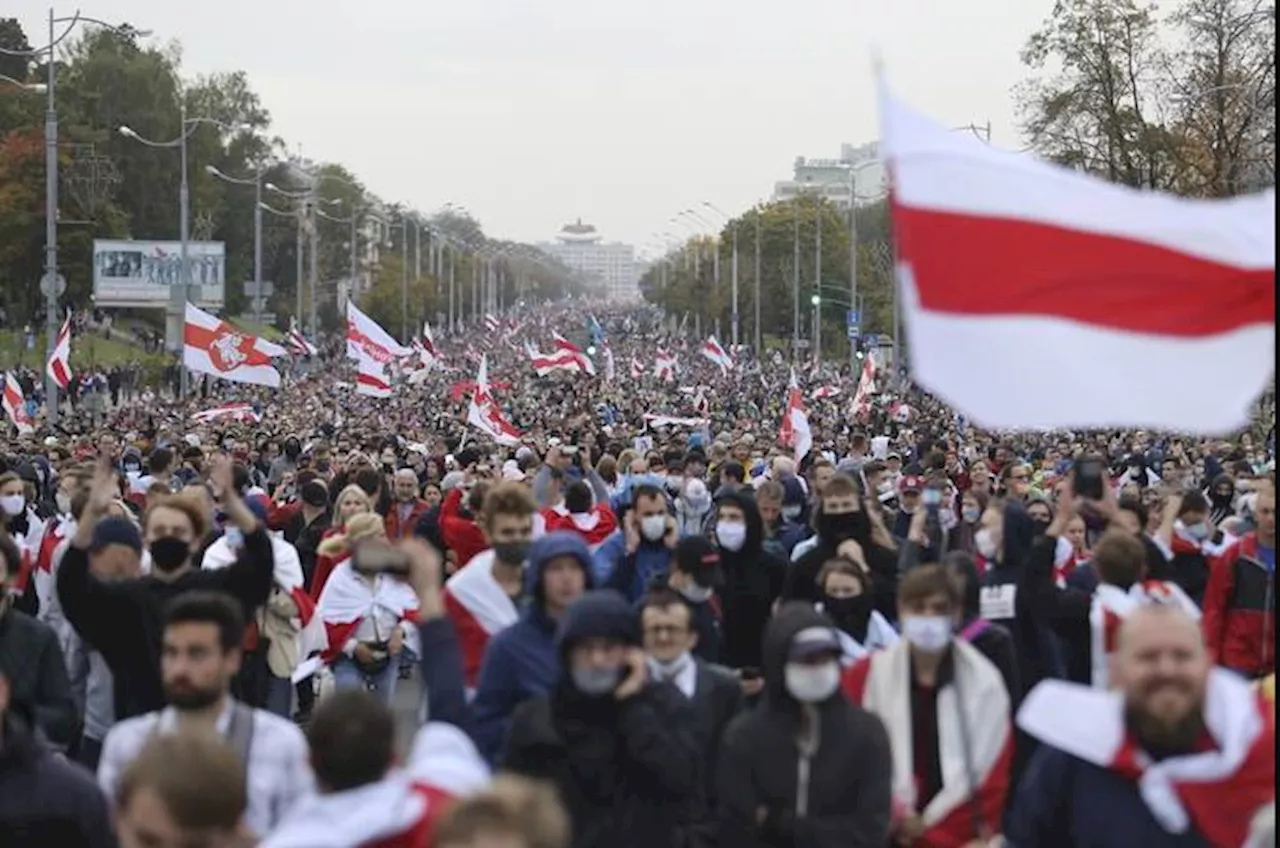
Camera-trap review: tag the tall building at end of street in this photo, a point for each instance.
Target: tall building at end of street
(832, 177)
(613, 264)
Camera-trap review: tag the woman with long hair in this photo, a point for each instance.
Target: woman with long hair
(351, 501)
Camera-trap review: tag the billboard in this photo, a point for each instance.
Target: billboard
(141, 273)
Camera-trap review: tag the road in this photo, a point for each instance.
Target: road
(405, 706)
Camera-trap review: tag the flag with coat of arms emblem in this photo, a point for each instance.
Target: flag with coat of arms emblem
(212, 346)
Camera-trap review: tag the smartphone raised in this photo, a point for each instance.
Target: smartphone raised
(1086, 477)
(375, 557)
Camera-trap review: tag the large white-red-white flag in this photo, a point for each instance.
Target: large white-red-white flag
(713, 351)
(866, 387)
(297, 342)
(548, 363)
(1037, 297)
(664, 365)
(15, 404)
(794, 431)
(366, 338)
(372, 379)
(243, 412)
(212, 346)
(483, 412)
(59, 365)
(564, 347)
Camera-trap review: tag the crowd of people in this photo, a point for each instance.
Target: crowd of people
(614, 634)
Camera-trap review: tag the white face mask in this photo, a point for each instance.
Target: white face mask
(929, 633)
(13, 505)
(812, 684)
(695, 594)
(731, 535)
(791, 513)
(986, 545)
(653, 527)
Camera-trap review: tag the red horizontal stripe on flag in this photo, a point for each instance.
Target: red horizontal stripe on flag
(987, 266)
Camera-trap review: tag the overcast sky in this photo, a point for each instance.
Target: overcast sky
(532, 113)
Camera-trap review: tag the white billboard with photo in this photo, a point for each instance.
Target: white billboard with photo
(142, 273)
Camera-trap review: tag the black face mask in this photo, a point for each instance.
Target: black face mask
(1040, 526)
(845, 525)
(168, 553)
(511, 553)
(292, 451)
(850, 614)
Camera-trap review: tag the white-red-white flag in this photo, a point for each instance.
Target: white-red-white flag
(866, 387)
(212, 346)
(825, 392)
(718, 356)
(15, 404)
(297, 342)
(372, 378)
(59, 365)
(564, 346)
(366, 338)
(664, 365)
(491, 323)
(548, 363)
(483, 412)
(235, 411)
(794, 431)
(637, 366)
(610, 369)
(1037, 297)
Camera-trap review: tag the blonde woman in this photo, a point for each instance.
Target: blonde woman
(369, 616)
(351, 501)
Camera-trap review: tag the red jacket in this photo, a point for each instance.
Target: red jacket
(1239, 610)
(325, 564)
(397, 529)
(461, 535)
(279, 515)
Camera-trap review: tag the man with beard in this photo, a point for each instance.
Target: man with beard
(201, 654)
(1182, 754)
(842, 519)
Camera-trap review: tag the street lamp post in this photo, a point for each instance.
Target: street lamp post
(756, 271)
(816, 300)
(50, 284)
(180, 295)
(256, 182)
(733, 274)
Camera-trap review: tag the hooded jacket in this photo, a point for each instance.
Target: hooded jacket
(753, 580)
(45, 800)
(627, 771)
(842, 800)
(522, 661)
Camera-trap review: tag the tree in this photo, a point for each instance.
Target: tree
(14, 40)
(1224, 85)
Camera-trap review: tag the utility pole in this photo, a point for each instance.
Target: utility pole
(795, 281)
(756, 334)
(817, 276)
(733, 273)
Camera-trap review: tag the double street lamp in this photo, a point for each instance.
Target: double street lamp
(52, 285)
(180, 295)
(256, 182)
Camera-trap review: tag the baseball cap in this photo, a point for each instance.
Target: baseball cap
(813, 642)
(116, 531)
(911, 483)
(699, 559)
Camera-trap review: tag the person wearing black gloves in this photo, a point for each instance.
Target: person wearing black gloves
(123, 619)
(804, 726)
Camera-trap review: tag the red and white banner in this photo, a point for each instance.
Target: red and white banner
(235, 411)
(372, 379)
(718, 356)
(484, 414)
(544, 364)
(59, 365)
(794, 431)
(15, 404)
(297, 342)
(1037, 297)
(365, 337)
(664, 365)
(212, 346)
(675, 421)
(866, 387)
(825, 392)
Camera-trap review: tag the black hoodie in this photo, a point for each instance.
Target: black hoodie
(849, 775)
(753, 580)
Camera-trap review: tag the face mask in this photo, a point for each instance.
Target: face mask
(846, 525)
(971, 515)
(985, 544)
(168, 553)
(1198, 531)
(63, 500)
(653, 527)
(848, 610)
(13, 504)
(812, 684)
(595, 682)
(695, 594)
(512, 553)
(668, 670)
(732, 535)
(929, 633)
(791, 513)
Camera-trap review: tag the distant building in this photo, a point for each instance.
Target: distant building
(614, 264)
(831, 177)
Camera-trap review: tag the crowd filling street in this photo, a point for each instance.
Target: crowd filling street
(658, 594)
